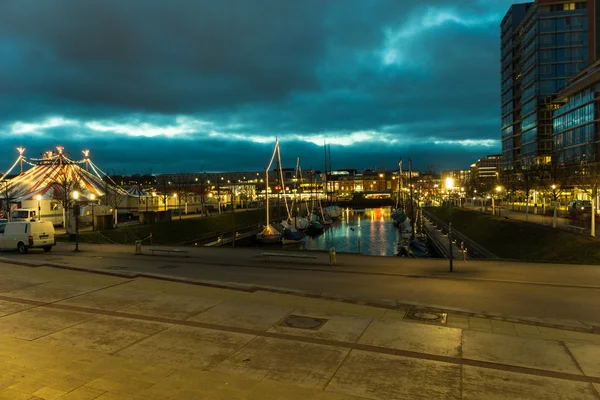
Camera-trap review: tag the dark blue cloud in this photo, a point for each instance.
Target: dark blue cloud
(183, 85)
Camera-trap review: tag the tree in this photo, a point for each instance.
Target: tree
(588, 176)
(7, 197)
(553, 179)
(183, 187)
(66, 182)
(164, 188)
(525, 181)
(113, 196)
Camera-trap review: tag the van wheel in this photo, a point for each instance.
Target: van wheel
(22, 248)
(47, 248)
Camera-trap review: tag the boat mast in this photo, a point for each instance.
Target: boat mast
(412, 206)
(325, 172)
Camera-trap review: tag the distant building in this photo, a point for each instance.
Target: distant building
(543, 44)
(485, 173)
(461, 177)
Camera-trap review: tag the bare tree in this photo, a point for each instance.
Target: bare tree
(588, 176)
(553, 179)
(113, 196)
(66, 182)
(183, 187)
(164, 187)
(7, 197)
(525, 179)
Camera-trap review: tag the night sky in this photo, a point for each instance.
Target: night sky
(174, 86)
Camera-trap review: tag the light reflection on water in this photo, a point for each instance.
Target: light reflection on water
(374, 226)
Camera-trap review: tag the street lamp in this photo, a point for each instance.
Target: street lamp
(554, 219)
(39, 199)
(449, 186)
(93, 197)
(76, 212)
(498, 189)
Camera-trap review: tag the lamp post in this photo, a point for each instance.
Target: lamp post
(498, 190)
(554, 216)
(449, 186)
(93, 197)
(76, 212)
(39, 199)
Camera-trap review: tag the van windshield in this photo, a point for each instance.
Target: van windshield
(586, 203)
(20, 214)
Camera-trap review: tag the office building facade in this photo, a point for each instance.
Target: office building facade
(576, 134)
(543, 45)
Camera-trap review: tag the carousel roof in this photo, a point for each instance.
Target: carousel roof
(136, 191)
(44, 179)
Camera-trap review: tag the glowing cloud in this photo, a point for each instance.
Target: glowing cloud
(36, 128)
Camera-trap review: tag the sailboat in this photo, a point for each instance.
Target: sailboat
(269, 234)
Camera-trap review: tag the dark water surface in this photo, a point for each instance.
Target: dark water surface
(373, 226)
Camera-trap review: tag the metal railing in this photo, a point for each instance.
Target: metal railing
(475, 249)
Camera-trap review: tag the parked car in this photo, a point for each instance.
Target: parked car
(23, 236)
(580, 206)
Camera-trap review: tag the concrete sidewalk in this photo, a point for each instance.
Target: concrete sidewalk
(78, 335)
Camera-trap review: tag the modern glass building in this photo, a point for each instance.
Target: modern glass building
(576, 135)
(544, 44)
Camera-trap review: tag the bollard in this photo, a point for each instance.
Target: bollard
(332, 256)
(138, 247)
(358, 245)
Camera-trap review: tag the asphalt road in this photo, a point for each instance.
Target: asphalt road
(516, 289)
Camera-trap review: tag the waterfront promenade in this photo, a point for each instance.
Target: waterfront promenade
(111, 333)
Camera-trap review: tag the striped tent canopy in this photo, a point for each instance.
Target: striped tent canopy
(44, 180)
(136, 191)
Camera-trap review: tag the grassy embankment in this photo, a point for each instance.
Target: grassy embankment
(175, 231)
(523, 241)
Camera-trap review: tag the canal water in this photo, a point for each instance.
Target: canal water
(373, 227)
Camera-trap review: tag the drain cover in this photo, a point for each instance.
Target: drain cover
(168, 266)
(300, 322)
(426, 316)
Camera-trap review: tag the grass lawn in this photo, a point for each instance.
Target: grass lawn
(175, 231)
(523, 241)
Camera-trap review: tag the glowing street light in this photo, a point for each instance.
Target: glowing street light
(76, 212)
(449, 183)
(39, 199)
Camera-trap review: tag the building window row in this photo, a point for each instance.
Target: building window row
(529, 137)
(577, 154)
(563, 54)
(578, 116)
(563, 23)
(506, 121)
(529, 107)
(529, 93)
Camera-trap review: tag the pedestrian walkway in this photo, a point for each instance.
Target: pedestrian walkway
(532, 217)
(78, 335)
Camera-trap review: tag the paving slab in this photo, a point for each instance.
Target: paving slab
(587, 356)
(8, 284)
(342, 328)
(416, 337)
(243, 315)
(182, 345)
(304, 364)
(48, 292)
(8, 307)
(543, 354)
(384, 377)
(110, 299)
(40, 321)
(105, 334)
(483, 383)
(172, 306)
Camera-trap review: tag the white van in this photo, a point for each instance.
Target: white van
(23, 236)
(23, 214)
